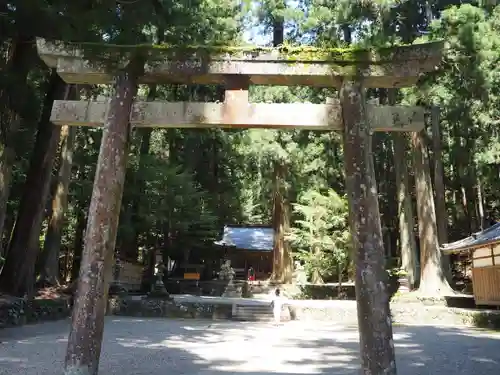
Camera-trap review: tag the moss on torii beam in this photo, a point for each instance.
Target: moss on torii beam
(386, 67)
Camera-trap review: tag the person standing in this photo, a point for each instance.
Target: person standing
(251, 274)
(277, 303)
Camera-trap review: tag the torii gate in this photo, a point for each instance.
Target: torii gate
(350, 70)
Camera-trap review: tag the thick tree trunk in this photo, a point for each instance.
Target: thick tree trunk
(85, 338)
(288, 257)
(432, 278)
(375, 327)
(441, 214)
(278, 251)
(133, 247)
(469, 180)
(131, 243)
(282, 258)
(18, 65)
(385, 175)
(7, 158)
(49, 272)
(465, 173)
(409, 255)
(18, 274)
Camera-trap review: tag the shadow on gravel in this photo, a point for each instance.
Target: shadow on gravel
(35, 330)
(177, 347)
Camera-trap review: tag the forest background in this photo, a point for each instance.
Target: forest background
(183, 186)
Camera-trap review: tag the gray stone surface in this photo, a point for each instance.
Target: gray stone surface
(388, 67)
(177, 347)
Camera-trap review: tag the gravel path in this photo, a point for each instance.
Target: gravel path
(176, 347)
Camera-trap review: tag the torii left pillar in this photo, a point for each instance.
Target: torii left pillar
(87, 327)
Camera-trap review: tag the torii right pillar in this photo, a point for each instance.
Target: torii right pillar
(374, 322)
(372, 296)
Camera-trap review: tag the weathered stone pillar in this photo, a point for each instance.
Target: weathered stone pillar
(375, 327)
(235, 97)
(84, 344)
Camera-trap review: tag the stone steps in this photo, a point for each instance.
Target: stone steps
(253, 313)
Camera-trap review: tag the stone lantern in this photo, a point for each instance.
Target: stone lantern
(159, 286)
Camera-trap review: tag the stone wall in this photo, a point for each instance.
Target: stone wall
(17, 311)
(161, 308)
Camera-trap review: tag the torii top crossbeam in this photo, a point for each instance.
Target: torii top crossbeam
(237, 68)
(381, 68)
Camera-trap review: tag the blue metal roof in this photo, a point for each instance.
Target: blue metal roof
(491, 234)
(248, 238)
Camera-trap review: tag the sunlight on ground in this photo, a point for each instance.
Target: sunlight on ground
(155, 346)
(294, 351)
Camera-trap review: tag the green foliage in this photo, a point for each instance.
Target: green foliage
(320, 232)
(466, 90)
(171, 196)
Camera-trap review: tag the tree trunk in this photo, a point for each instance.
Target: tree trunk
(288, 256)
(480, 202)
(282, 258)
(375, 327)
(18, 64)
(282, 264)
(85, 338)
(432, 278)
(49, 272)
(452, 165)
(441, 214)
(409, 255)
(132, 248)
(18, 274)
(316, 276)
(81, 222)
(465, 172)
(469, 180)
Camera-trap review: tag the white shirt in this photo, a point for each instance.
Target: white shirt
(277, 302)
